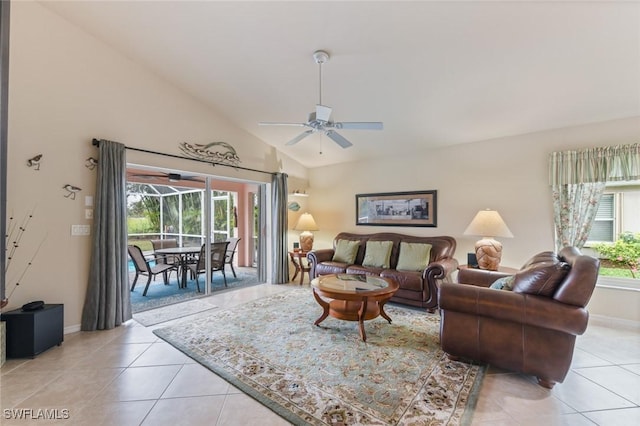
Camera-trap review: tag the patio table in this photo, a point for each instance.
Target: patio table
(184, 253)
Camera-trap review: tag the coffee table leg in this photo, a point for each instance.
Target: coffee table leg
(361, 313)
(324, 305)
(383, 314)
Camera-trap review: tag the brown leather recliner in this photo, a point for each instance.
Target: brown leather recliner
(532, 328)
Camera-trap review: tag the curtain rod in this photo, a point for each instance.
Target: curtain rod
(96, 142)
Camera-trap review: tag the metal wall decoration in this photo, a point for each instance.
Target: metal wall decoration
(293, 206)
(35, 162)
(71, 191)
(216, 152)
(416, 208)
(91, 163)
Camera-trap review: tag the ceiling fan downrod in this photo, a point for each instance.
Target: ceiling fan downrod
(320, 56)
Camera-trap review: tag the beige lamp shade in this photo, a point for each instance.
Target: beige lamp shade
(488, 224)
(306, 224)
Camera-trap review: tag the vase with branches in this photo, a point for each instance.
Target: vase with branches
(15, 233)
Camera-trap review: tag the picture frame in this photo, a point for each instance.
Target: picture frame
(414, 208)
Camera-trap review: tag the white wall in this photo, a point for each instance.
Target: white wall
(508, 174)
(66, 88)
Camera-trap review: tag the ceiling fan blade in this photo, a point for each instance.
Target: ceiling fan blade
(265, 123)
(359, 125)
(299, 137)
(323, 113)
(337, 138)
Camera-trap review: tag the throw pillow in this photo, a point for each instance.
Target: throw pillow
(504, 283)
(377, 254)
(413, 256)
(541, 279)
(346, 251)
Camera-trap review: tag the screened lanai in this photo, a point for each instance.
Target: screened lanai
(172, 206)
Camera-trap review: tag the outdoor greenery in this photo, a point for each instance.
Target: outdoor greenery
(624, 253)
(144, 213)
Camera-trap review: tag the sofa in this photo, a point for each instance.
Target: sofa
(526, 322)
(417, 264)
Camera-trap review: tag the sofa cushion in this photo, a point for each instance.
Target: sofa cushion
(408, 280)
(377, 254)
(413, 256)
(346, 251)
(367, 270)
(541, 278)
(326, 268)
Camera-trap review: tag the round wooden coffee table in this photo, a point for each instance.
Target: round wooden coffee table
(353, 297)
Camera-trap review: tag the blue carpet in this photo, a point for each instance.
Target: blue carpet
(161, 295)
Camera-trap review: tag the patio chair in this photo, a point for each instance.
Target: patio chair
(143, 267)
(168, 259)
(218, 253)
(231, 253)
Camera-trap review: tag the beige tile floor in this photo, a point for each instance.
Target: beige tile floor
(127, 376)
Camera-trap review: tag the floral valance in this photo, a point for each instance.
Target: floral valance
(605, 164)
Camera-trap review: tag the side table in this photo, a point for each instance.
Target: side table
(300, 263)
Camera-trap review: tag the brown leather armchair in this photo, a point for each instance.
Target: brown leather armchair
(531, 329)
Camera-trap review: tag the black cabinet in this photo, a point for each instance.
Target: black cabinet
(32, 332)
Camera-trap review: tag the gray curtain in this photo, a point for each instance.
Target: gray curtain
(262, 234)
(279, 228)
(107, 303)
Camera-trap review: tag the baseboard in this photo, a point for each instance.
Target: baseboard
(72, 329)
(614, 322)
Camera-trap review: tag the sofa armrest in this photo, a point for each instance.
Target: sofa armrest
(502, 305)
(317, 256)
(437, 270)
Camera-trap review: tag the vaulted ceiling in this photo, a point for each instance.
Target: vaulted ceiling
(436, 73)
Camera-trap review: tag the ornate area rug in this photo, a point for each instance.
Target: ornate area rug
(171, 312)
(327, 375)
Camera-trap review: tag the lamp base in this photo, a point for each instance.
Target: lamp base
(306, 241)
(488, 253)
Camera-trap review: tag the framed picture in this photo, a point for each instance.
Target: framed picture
(417, 208)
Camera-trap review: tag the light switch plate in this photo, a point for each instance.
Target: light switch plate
(80, 230)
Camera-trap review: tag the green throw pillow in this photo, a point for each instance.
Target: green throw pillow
(346, 251)
(377, 254)
(413, 256)
(504, 283)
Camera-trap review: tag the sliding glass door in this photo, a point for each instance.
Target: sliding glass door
(190, 213)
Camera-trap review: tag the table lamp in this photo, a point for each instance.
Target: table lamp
(306, 224)
(488, 224)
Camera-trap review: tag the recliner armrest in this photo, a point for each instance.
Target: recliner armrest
(502, 305)
(479, 277)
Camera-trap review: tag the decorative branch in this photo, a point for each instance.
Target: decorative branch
(18, 231)
(12, 243)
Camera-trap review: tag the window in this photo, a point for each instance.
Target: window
(617, 214)
(603, 228)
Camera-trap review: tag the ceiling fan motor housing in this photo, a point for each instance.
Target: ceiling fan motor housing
(320, 56)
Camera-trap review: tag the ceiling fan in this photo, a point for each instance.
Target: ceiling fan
(172, 177)
(320, 119)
